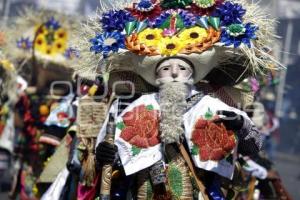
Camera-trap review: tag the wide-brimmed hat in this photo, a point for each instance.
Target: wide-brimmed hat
(145, 66)
(137, 35)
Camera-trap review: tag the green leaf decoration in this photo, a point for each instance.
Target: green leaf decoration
(166, 23)
(179, 22)
(175, 181)
(121, 125)
(195, 150)
(230, 159)
(209, 114)
(135, 150)
(130, 27)
(214, 22)
(150, 107)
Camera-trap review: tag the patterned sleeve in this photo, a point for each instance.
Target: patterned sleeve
(250, 139)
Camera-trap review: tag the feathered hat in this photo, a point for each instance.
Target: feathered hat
(135, 36)
(43, 35)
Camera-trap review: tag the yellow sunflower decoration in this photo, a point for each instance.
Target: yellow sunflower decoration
(40, 43)
(60, 34)
(170, 46)
(150, 37)
(51, 38)
(193, 35)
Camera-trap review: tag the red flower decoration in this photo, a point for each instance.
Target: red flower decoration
(204, 11)
(213, 140)
(141, 127)
(153, 14)
(62, 115)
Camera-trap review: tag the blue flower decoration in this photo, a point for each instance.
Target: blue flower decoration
(145, 6)
(230, 13)
(52, 24)
(187, 18)
(236, 34)
(24, 43)
(115, 20)
(72, 53)
(107, 42)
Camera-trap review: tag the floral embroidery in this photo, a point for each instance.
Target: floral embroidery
(212, 141)
(140, 127)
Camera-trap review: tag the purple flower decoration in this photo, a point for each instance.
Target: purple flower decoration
(107, 43)
(72, 53)
(115, 20)
(254, 84)
(24, 43)
(52, 24)
(236, 34)
(160, 19)
(187, 18)
(230, 13)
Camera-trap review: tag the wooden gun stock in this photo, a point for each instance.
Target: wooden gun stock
(107, 169)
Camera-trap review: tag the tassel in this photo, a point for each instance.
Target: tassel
(88, 164)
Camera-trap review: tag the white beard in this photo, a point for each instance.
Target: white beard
(173, 105)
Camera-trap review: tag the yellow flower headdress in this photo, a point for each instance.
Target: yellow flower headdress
(239, 31)
(46, 35)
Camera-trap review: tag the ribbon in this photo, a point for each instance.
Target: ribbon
(202, 22)
(214, 22)
(129, 27)
(140, 26)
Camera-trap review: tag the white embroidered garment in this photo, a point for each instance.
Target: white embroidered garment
(137, 135)
(213, 148)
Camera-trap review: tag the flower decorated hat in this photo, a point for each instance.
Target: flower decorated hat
(8, 81)
(45, 35)
(137, 35)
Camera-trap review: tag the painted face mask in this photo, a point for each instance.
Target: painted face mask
(174, 70)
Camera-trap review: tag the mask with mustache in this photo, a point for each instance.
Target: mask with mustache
(174, 80)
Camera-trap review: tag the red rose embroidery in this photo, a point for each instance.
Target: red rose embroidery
(141, 127)
(213, 140)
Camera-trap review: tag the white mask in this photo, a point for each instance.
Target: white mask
(174, 70)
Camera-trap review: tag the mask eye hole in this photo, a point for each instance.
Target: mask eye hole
(182, 68)
(166, 68)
